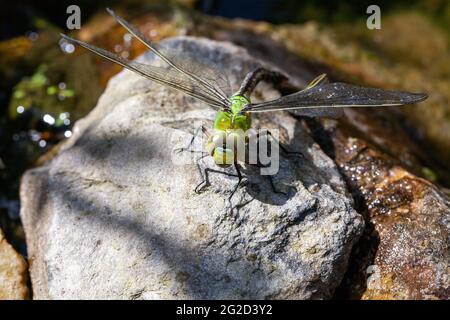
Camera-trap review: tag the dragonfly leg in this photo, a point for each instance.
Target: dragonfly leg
(239, 175)
(254, 77)
(205, 176)
(282, 147)
(188, 147)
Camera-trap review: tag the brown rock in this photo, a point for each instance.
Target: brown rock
(404, 252)
(13, 273)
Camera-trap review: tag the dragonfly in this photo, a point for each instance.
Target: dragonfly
(319, 98)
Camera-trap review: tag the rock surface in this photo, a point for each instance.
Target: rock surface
(382, 155)
(13, 272)
(113, 217)
(404, 252)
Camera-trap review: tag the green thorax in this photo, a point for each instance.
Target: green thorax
(233, 118)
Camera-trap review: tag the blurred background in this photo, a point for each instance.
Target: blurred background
(47, 84)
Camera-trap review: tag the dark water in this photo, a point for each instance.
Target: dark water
(36, 102)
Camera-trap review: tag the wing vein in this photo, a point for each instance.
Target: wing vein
(159, 75)
(326, 98)
(135, 32)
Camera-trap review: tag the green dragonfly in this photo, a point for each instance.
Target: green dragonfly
(233, 117)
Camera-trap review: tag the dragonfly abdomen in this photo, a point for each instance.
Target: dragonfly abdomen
(227, 147)
(227, 144)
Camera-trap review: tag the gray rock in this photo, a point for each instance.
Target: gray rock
(113, 217)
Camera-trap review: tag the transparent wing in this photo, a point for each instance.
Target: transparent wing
(206, 78)
(323, 100)
(330, 112)
(318, 112)
(169, 77)
(188, 61)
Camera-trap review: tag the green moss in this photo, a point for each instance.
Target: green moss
(41, 93)
(429, 174)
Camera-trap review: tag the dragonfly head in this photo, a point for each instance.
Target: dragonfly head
(238, 102)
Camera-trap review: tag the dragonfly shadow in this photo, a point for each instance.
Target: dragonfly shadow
(266, 188)
(302, 161)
